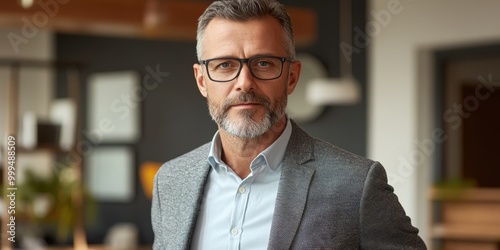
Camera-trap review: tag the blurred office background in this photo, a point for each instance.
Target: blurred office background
(105, 93)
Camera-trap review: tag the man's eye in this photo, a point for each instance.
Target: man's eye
(224, 65)
(264, 64)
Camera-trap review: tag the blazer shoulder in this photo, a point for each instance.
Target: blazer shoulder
(192, 158)
(304, 147)
(326, 150)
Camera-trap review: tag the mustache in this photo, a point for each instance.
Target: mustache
(246, 98)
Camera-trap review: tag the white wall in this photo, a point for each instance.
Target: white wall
(36, 85)
(400, 92)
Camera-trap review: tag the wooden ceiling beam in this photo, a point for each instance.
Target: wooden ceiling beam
(126, 18)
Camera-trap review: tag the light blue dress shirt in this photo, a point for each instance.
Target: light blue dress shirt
(236, 213)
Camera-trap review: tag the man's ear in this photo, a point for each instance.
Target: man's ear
(200, 80)
(293, 76)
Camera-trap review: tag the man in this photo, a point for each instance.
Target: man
(263, 183)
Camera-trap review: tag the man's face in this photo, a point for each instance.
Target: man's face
(246, 107)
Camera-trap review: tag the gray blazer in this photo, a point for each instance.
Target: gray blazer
(327, 199)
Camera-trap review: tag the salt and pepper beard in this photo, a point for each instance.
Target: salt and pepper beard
(245, 126)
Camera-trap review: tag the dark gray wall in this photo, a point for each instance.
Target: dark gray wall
(174, 115)
(344, 126)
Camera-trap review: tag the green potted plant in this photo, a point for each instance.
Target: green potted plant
(51, 201)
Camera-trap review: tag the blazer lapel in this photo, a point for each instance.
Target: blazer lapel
(185, 194)
(295, 178)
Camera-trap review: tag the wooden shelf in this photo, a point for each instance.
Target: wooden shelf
(469, 232)
(468, 218)
(73, 82)
(473, 194)
(97, 247)
(50, 148)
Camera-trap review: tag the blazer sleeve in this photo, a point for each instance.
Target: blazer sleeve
(383, 222)
(156, 216)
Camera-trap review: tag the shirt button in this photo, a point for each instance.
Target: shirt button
(242, 189)
(234, 231)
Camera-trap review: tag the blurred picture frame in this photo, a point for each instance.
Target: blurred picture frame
(109, 173)
(113, 107)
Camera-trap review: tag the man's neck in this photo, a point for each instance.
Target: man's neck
(238, 152)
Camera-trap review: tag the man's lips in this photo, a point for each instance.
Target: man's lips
(246, 105)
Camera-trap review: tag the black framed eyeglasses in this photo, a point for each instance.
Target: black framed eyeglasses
(261, 67)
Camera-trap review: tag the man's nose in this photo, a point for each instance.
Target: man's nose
(245, 81)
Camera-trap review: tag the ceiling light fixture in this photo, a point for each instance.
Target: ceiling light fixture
(153, 16)
(344, 90)
(26, 4)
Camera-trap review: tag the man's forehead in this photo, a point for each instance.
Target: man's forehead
(233, 38)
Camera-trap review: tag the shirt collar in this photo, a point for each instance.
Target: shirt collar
(273, 154)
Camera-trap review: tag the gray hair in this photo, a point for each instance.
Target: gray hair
(244, 10)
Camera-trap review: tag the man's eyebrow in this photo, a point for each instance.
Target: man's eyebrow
(256, 55)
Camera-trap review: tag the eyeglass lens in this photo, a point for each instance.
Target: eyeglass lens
(226, 69)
